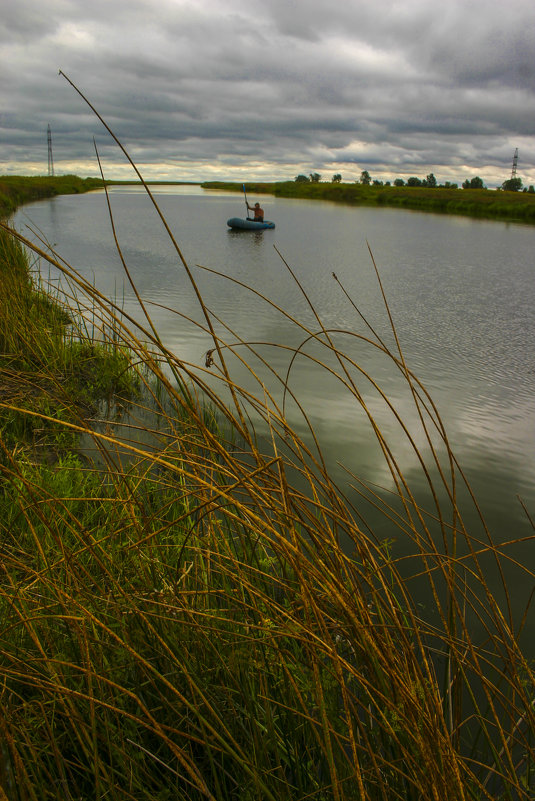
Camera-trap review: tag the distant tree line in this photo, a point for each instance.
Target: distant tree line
(313, 178)
(511, 185)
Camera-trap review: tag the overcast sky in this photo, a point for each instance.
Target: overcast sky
(267, 89)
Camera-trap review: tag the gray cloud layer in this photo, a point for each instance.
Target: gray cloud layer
(199, 89)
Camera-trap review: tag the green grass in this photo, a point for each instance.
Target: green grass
(179, 619)
(17, 189)
(482, 203)
(52, 373)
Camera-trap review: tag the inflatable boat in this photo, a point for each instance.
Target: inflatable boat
(248, 225)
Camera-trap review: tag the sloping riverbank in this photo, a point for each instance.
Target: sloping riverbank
(18, 189)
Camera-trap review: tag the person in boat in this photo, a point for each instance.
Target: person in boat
(258, 212)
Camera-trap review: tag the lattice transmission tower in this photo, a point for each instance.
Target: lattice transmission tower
(50, 157)
(515, 162)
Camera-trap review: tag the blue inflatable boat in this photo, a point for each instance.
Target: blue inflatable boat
(248, 225)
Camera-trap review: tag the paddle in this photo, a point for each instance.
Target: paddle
(246, 204)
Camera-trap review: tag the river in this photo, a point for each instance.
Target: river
(461, 293)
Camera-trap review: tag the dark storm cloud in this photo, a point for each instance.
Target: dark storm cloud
(201, 88)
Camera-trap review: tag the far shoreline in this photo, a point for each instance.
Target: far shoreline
(490, 204)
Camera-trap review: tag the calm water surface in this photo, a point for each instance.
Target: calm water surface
(461, 292)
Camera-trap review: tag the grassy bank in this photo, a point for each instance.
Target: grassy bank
(481, 203)
(52, 371)
(18, 189)
(179, 619)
